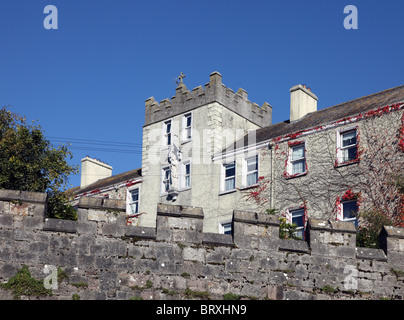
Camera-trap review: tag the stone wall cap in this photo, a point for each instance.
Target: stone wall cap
(293, 245)
(217, 239)
(114, 204)
(395, 232)
(370, 254)
(255, 218)
(332, 226)
(25, 196)
(100, 203)
(179, 211)
(140, 232)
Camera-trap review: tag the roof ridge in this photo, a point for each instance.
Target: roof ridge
(363, 97)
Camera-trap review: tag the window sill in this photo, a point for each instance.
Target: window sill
(292, 176)
(255, 185)
(165, 194)
(346, 163)
(227, 192)
(186, 141)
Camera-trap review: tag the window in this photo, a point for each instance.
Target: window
(167, 133)
(298, 220)
(186, 173)
(252, 171)
(166, 182)
(347, 146)
(134, 201)
(297, 159)
(229, 176)
(187, 122)
(225, 227)
(349, 211)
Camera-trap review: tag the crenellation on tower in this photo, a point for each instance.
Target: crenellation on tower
(185, 100)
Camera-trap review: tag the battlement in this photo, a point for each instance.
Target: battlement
(116, 259)
(185, 100)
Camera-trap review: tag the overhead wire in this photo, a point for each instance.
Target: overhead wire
(88, 144)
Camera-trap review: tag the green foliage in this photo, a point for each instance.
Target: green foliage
(287, 230)
(62, 275)
(328, 289)
(196, 294)
(169, 292)
(80, 285)
(75, 296)
(398, 181)
(271, 211)
(29, 162)
(231, 296)
(397, 273)
(23, 284)
(372, 223)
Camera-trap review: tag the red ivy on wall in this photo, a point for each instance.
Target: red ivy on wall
(372, 113)
(401, 135)
(349, 195)
(257, 192)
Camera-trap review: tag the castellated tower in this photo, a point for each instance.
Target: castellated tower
(180, 137)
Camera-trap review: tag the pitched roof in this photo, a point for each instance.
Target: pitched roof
(106, 182)
(327, 115)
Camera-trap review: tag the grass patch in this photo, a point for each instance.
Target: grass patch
(231, 296)
(23, 284)
(196, 294)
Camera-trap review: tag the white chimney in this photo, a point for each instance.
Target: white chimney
(93, 170)
(302, 102)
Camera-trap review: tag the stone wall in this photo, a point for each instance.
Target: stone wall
(104, 257)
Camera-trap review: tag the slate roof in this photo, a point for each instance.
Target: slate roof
(328, 115)
(110, 181)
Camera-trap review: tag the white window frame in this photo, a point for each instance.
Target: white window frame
(289, 217)
(341, 212)
(340, 148)
(163, 180)
(184, 174)
(223, 177)
(167, 135)
(226, 225)
(246, 172)
(185, 138)
(129, 201)
(291, 160)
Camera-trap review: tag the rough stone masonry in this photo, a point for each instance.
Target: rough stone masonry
(104, 257)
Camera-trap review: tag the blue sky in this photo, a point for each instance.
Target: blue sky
(89, 78)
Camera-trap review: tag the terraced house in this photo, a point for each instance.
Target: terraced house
(213, 148)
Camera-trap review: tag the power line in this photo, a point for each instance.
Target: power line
(94, 142)
(106, 150)
(88, 145)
